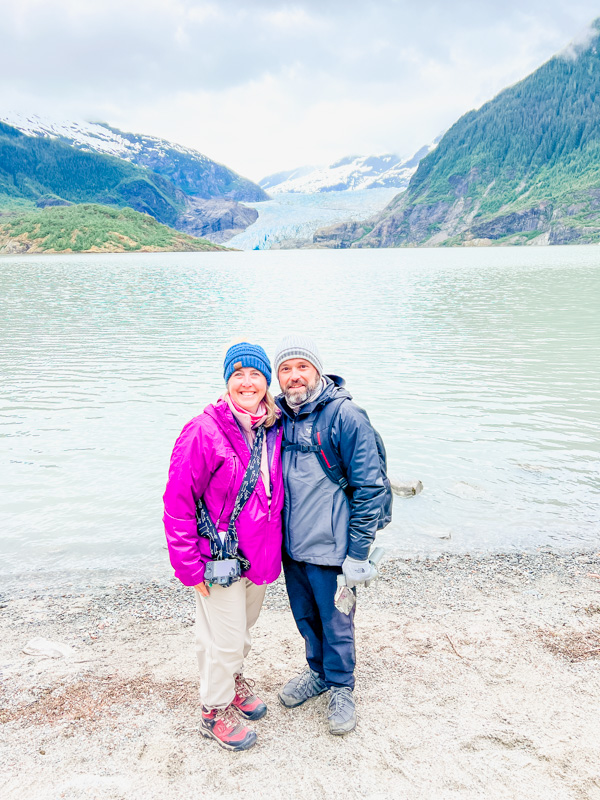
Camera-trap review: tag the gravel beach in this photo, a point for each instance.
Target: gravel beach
(476, 677)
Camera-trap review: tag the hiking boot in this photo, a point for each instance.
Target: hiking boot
(341, 712)
(245, 701)
(301, 688)
(223, 725)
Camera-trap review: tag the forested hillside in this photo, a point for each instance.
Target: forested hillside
(42, 171)
(91, 228)
(525, 167)
(188, 170)
(46, 171)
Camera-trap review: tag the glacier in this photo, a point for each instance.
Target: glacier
(295, 216)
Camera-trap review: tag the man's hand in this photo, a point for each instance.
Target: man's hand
(357, 572)
(203, 589)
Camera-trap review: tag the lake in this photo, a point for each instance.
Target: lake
(480, 368)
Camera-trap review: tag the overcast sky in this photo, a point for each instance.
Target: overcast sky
(263, 85)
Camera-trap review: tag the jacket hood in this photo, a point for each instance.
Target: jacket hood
(334, 387)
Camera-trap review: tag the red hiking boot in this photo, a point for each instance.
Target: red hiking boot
(245, 701)
(223, 725)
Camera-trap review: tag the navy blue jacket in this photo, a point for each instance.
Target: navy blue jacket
(323, 523)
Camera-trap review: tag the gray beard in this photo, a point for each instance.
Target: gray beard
(296, 399)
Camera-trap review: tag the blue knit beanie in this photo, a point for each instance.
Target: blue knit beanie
(246, 355)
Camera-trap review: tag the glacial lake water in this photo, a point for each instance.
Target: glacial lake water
(480, 368)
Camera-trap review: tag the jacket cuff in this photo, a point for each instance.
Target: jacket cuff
(359, 552)
(191, 578)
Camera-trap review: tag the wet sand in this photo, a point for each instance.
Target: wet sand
(476, 677)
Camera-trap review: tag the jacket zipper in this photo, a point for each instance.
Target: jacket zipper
(287, 485)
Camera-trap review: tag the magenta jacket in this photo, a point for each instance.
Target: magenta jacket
(209, 461)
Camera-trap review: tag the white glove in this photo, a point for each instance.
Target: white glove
(357, 572)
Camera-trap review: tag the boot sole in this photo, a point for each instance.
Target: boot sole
(246, 743)
(341, 732)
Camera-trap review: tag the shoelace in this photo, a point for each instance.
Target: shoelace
(304, 680)
(339, 699)
(228, 716)
(243, 687)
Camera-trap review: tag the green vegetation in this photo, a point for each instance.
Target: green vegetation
(526, 162)
(191, 172)
(14, 203)
(32, 167)
(84, 228)
(536, 140)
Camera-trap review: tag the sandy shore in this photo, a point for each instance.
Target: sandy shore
(477, 677)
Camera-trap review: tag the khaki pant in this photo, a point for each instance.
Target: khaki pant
(223, 622)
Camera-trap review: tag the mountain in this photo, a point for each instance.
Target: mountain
(351, 173)
(187, 169)
(91, 229)
(522, 169)
(288, 175)
(45, 171)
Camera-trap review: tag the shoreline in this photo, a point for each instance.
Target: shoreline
(476, 676)
(36, 581)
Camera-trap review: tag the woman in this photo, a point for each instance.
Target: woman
(223, 505)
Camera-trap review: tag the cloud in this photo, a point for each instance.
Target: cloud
(268, 85)
(580, 42)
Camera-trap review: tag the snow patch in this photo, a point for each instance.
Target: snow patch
(96, 137)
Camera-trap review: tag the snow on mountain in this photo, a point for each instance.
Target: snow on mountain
(191, 171)
(84, 135)
(352, 173)
(287, 175)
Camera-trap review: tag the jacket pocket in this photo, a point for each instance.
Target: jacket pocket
(311, 532)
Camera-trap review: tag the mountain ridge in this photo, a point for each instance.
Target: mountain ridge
(524, 168)
(45, 171)
(189, 170)
(350, 173)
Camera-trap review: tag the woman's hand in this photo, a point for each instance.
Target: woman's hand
(202, 588)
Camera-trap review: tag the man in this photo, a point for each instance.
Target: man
(327, 530)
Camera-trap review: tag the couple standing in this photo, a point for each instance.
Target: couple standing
(242, 471)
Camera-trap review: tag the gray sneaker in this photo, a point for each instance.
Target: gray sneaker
(342, 711)
(301, 688)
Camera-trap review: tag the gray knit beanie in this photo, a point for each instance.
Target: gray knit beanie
(297, 346)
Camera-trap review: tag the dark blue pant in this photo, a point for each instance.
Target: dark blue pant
(328, 633)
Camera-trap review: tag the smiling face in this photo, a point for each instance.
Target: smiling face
(298, 379)
(247, 387)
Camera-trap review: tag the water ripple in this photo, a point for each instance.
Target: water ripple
(480, 368)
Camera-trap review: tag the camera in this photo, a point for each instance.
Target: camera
(223, 572)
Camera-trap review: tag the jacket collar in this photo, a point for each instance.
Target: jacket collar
(333, 388)
(221, 414)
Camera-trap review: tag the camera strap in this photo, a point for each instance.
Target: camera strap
(206, 527)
